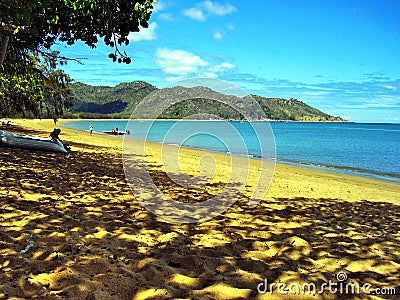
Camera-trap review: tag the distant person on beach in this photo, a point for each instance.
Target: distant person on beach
(91, 128)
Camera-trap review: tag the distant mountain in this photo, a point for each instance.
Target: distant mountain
(292, 109)
(104, 101)
(180, 102)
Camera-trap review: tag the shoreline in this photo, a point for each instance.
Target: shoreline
(272, 121)
(221, 120)
(116, 143)
(336, 169)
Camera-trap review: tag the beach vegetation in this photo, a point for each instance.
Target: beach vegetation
(37, 25)
(41, 90)
(29, 77)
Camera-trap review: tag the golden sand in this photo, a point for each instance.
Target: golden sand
(92, 239)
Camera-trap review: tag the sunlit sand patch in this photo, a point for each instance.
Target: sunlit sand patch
(225, 291)
(151, 293)
(187, 281)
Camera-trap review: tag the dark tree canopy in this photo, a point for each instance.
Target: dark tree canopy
(29, 77)
(35, 24)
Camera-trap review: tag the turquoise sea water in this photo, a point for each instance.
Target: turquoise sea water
(365, 149)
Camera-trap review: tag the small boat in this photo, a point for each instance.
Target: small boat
(114, 132)
(53, 144)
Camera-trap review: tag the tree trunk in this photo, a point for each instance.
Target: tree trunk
(3, 47)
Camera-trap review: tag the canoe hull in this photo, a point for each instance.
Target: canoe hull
(117, 132)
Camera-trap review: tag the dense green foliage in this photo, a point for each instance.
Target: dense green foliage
(33, 25)
(29, 78)
(121, 100)
(43, 91)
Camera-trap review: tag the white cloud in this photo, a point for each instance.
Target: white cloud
(159, 6)
(218, 70)
(181, 63)
(218, 35)
(208, 8)
(222, 67)
(208, 75)
(215, 8)
(166, 17)
(159, 10)
(145, 34)
(194, 13)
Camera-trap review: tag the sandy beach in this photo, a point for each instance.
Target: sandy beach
(91, 238)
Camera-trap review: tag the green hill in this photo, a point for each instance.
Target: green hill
(121, 100)
(292, 109)
(105, 102)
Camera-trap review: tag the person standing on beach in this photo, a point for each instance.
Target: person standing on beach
(91, 128)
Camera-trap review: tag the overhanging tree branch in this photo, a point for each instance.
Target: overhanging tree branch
(29, 29)
(62, 59)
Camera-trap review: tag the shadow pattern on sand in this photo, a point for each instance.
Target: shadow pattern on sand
(92, 240)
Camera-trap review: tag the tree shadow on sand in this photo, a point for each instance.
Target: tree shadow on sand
(91, 239)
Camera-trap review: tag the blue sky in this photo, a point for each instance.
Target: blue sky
(340, 56)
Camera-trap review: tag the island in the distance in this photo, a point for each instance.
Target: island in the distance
(99, 102)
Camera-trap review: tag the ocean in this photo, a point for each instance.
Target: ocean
(364, 149)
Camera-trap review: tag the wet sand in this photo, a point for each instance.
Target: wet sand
(92, 239)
